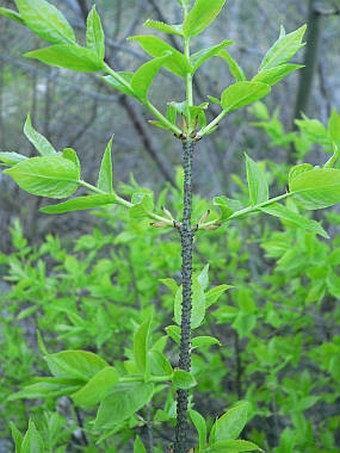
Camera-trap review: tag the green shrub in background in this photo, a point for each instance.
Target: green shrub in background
(105, 301)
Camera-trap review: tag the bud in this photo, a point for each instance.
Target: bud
(213, 227)
(204, 217)
(159, 224)
(167, 213)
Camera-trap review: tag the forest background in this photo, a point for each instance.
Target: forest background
(78, 110)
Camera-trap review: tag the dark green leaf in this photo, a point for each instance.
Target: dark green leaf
(283, 49)
(40, 143)
(241, 94)
(274, 75)
(257, 183)
(95, 39)
(124, 400)
(48, 176)
(105, 173)
(97, 388)
(201, 16)
(46, 21)
(75, 58)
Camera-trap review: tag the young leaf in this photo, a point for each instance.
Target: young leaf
(201, 427)
(233, 446)
(283, 49)
(334, 127)
(70, 154)
(198, 58)
(140, 345)
(278, 210)
(243, 93)
(297, 170)
(143, 77)
(203, 277)
(48, 387)
(201, 16)
(32, 442)
(234, 67)
(16, 436)
(257, 183)
(183, 380)
(165, 28)
(174, 332)
(10, 159)
(46, 21)
(74, 57)
(80, 204)
(11, 14)
(97, 388)
(75, 364)
(316, 189)
(214, 294)
(204, 341)
(138, 446)
(274, 75)
(156, 47)
(231, 424)
(123, 401)
(48, 176)
(105, 173)
(41, 144)
(95, 38)
(120, 86)
(198, 305)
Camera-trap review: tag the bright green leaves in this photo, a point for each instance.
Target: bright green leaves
(140, 346)
(46, 21)
(95, 39)
(201, 16)
(48, 176)
(121, 83)
(31, 442)
(40, 143)
(80, 204)
(317, 188)
(257, 183)
(273, 75)
(198, 58)
(283, 49)
(105, 173)
(138, 446)
(11, 14)
(201, 427)
(165, 28)
(234, 67)
(233, 446)
(73, 57)
(156, 47)
(183, 380)
(198, 304)
(9, 159)
(123, 401)
(241, 94)
(231, 424)
(142, 79)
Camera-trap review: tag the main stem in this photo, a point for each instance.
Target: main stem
(186, 234)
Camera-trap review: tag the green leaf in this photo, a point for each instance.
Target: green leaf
(334, 127)
(46, 21)
(174, 332)
(32, 442)
(297, 170)
(273, 75)
(159, 364)
(203, 277)
(75, 58)
(48, 387)
(204, 341)
(124, 400)
(241, 94)
(48, 176)
(231, 424)
(233, 446)
(75, 364)
(198, 58)
(140, 345)
(257, 183)
(10, 159)
(283, 49)
(183, 380)
(80, 204)
(198, 305)
(97, 388)
(234, 67)
(11, 14)
(40, 143)
(105, 173)
(143, 77)
(138, 446)
(316, 189)
(16, 436)
(123, 87)
(156, 47)
(95, 39)
(215, 293)
(201, 16)
(278, 210)
(226, 207)
(165, 28)
(201, 427)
